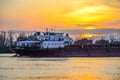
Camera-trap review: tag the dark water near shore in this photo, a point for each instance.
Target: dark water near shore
(73, 68)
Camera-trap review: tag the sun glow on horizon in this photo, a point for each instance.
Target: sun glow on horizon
(87, 35)
(90, 28)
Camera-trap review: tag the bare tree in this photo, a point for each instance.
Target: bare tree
(22, 36)
(2, 38)
(10, 35)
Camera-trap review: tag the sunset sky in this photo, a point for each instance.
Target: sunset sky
(59, 14)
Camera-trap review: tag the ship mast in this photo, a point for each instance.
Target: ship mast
(46, 29)
(54, 28)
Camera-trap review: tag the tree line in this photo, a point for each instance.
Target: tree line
(8, 38)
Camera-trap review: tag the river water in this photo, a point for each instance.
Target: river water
(71, 68)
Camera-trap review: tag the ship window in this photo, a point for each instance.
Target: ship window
(23, 45)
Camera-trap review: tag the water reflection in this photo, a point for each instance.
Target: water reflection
(24, 68)
(41, 59)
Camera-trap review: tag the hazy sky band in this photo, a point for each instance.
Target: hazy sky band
(59, 14)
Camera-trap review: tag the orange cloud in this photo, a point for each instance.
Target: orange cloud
(38, 14)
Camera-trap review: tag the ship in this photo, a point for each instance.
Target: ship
(56, 44)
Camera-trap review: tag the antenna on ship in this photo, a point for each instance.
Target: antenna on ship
(54, 28)
(46, 29)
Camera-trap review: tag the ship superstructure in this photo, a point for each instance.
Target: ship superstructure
(46, 40)
(42, 42)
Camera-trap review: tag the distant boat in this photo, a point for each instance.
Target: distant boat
(53, 44)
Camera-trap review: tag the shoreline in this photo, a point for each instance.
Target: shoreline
(5, 50)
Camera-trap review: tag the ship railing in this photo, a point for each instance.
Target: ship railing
(26, 47)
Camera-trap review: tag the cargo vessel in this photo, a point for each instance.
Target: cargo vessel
(54, 44)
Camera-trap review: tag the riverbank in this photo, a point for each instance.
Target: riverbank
(5, 50)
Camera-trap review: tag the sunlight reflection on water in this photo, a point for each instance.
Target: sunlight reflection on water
(73, 68)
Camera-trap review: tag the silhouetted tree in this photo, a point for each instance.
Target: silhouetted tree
(21, 37)
(2, 38)
(10, 35)
(102, 42)
(83, 41)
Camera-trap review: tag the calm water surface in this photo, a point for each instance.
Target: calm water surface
(26, 68)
